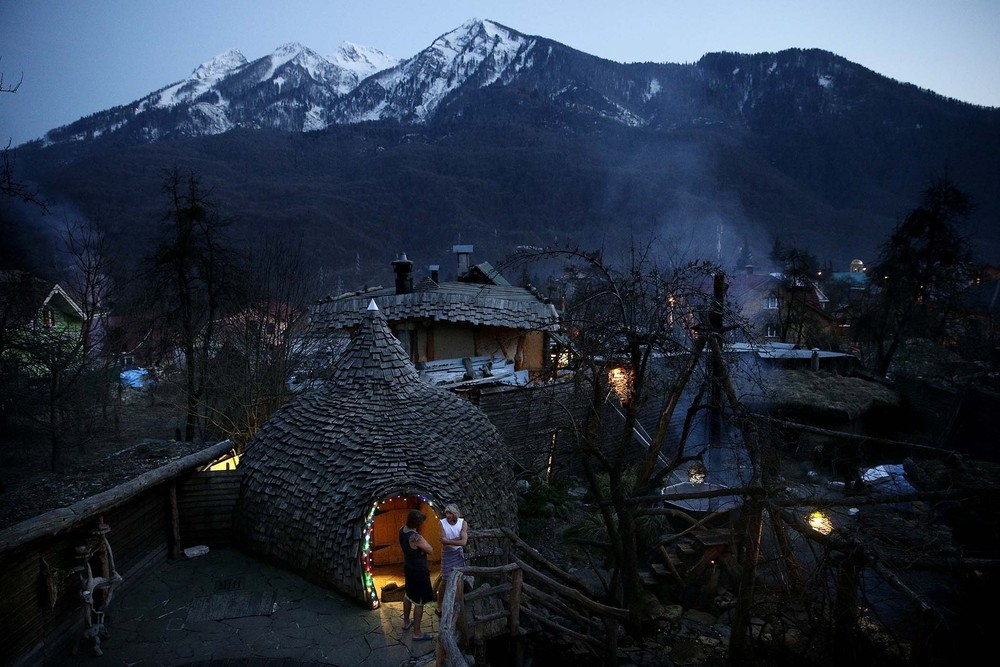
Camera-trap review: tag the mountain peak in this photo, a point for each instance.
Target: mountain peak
(219, 65)
(361, 60)
(477, 30)
(289, 50)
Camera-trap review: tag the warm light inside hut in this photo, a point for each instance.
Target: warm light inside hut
(382, 521)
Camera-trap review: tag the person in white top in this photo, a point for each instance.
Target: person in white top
(454, 536)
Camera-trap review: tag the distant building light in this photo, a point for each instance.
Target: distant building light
(620, 380)
(697, 473)
(820, 522)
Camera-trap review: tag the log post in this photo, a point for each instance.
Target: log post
(175, 523)
(513, 619)
(845, 606)
(516, 581)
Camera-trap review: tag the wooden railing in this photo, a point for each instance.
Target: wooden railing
(505, 593)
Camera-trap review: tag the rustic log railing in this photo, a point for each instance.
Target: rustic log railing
(552, 599)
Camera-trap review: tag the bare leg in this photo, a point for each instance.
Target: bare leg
(406, 609)
(418, 615)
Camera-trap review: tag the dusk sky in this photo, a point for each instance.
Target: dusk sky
(78, 57)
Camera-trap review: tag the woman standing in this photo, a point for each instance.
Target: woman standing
(416, 573)
(454, 537)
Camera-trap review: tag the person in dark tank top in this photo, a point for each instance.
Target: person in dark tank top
(416, 573)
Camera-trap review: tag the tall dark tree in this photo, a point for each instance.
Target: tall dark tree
(190, 274)
(922, 269)
(798, 269)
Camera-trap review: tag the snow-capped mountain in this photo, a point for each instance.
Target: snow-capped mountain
(479, 52)
(800, 139)
(360, 62)
(290, 89)
(295, 89)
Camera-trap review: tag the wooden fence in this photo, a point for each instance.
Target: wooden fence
(506, 595)
(43, 560)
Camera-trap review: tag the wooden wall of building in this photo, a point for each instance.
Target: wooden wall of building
(41, 612)
(536, 422)
(205, 503)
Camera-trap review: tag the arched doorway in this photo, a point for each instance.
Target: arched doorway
(382, 557)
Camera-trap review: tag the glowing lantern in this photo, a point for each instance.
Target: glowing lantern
(820, 522)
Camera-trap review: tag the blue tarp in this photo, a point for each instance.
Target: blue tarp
(137, 377)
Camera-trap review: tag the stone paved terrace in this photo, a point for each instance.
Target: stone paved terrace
(165, 618)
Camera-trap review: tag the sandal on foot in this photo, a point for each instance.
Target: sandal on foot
(407, 626)
(423, 638)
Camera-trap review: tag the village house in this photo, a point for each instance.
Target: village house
(36, 303)
(477, 327)
(36, 313)
(781, 310)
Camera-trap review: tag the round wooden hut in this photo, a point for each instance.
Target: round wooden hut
(328, 480)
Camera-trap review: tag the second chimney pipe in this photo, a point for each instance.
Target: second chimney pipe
(403, 268)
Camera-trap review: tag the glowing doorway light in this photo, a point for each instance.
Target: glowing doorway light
(367, 579)
(367, 558)
(820, 522)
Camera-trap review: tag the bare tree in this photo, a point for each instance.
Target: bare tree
(9, 185)
(640, 336)
(54, 374)
(190, 276)
(797, 286)
(257, 346)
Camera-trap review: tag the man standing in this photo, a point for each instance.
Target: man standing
(454, 536)
(416, 573)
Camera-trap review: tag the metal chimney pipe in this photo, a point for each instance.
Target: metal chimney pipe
(403, 268)
(464, 252)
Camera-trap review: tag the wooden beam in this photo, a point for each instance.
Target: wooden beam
(65, 518)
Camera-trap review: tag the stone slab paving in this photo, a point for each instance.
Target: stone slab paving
(309, 625)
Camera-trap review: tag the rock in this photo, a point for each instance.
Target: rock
(699, 617)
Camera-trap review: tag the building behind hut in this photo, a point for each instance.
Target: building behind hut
(476, 327)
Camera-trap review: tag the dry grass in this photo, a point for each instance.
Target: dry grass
(829, 393)
(144, 426)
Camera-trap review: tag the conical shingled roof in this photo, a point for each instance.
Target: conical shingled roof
(313, 471)
(372, 360)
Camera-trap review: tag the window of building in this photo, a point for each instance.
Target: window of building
(771, 303)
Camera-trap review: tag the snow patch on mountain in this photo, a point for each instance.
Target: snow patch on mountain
(482, 48)
(203, 79)
(206, 119)
(219, 66)
(652, 88)
(361, 61)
